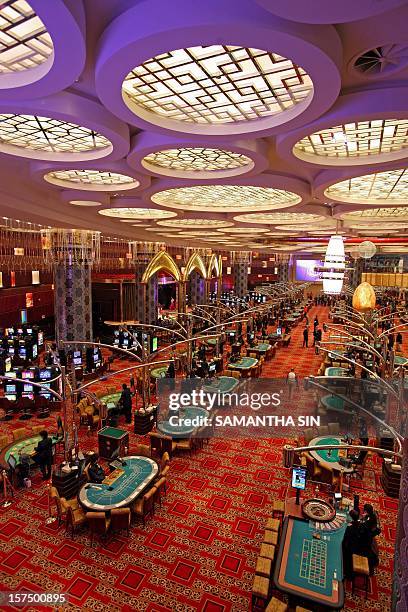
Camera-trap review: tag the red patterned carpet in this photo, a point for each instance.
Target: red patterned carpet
(199, 551)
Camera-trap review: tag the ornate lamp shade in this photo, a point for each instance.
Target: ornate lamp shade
(364, 298)
(367, 249)
(334, 266)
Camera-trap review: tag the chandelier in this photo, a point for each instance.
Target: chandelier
(244, 257)
(334, 266)
(143, 252)
(71, 246)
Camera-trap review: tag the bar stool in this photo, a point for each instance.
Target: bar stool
(263, 567)
(361, 568)
(278, 507)
(267, 551)
(270, 537)
(260, 591)
(276, 605)
(273, 525)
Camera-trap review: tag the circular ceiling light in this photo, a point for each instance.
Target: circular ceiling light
(95, 180)
(85, 203)
(225, 198)
(379, 140)
(302, 228)
(195, 223)
(21, 134)
(193, 162)
(136, 213)
(389, 187)
(25, 41)
(214, 85)
(279, 217)
(245, 230)
(377, 215)
(376, 228)
(128, 221)
(378, 232)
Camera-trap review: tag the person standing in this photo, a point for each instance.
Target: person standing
(126, 403)
(292, 382)
(305, 338)
(43, 454)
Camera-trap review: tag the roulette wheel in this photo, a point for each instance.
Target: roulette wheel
(318, 510)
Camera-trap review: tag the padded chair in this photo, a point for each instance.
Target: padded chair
(155, 443)
(3, 440)
(276, 605)
(120, 520)
(61, 504)
(334, 428)
(159, 486)
(144, 506)
(37, 428)
(168, 445)
(260, 592)
(74, 519)
(98, 523)
(19, 434)
(185, 445)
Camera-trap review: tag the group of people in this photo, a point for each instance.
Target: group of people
(317, 333)
(359, 539)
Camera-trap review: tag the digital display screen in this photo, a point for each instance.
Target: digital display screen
(212, 367)
(22, 351)
(29, 395)
(116, 341)
(45, 374)
(305, 270)
(29, 331)
(155, 344)
(278, 331)
(27, 388)
(77, 361)
(10, 331)
(11, 350)
(45, 394)
(96, 358)
(10, 388)
(40, 338)
(126, 342)
(12, 374)
(77, 354)
(35, 351)
(19, 331)
(7, 364)
(28, 374)
(299, 478)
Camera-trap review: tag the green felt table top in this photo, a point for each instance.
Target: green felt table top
(24, 447)
(261, 347)
(331, 402)
(111, 398)
(329, 455)
(211, 341)
(159, 372)
(112, 432)
(244, 363)
(182, 430)
(223, 384)
(137, 474)
(399, 360)
(311, 563)
(335, 372)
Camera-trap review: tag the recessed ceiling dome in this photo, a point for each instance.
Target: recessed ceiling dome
(98, 180)
(225, 198)
(197, 160)
(136, 213)
(275, 218)
(195, 223)
(215, 85)
(377, 139)
(390, 187)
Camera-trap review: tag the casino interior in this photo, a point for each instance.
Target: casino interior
(203, 305)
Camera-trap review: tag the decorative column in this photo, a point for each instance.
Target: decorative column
(283, 270)
(197, 288)
(240, 261)
(400, 582)
(356, 272)
(146, 293)
(71, 254)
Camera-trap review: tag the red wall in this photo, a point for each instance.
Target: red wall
(13, 300)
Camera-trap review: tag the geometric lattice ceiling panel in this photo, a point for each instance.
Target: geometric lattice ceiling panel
(389, 187)
(136, 213)
(275, 218)
(197, 159)
(91, 179)
(217, 84)
(377, 215)
(35, 133)
(195, 223)
(225, 198)
(24, 40)
(375, 139)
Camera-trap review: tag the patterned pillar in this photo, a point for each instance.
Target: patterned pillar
(197, 288)
(240, 272)
(73, 302)
(356, 272)
(283, 271)
(400, 582)
(152, 301)
(140, 298)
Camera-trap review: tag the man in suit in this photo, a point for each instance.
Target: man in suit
(95, 471)
(126, 403)
(43, 454)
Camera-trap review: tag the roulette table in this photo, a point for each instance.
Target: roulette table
(221, 384)
(318, 510)
(25, 446)
(183, 430)
(244, 364)
(159, 372)
(330, 456)
(121, 487)
(335, 372)
(309, 563)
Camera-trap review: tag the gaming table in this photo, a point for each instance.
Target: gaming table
(311, 568)
(24, 446)
(112, 398)
(261, 348)
(244, 365)
(159, 372)
(332, 403)
(331, 456)
(335, 372)
(221, 384)
(400, 361)
(121, 487)
(183, 431)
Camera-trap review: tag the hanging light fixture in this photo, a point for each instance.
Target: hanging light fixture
(334, 266)
(364, 298)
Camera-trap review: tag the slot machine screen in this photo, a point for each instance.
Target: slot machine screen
(12, 374)
(35, 351)
(278, 331)
(45, 374)
(125, 342)
(116, 341)
(10, 331)
(28, 388)
(28, 374)
(11, 350)
(299, 478)
(77, 361)
(12, 397)
(7, 364)
(40, 338)
(9, 388)
(154, 344)
(29, 331)
(22, 351)
(20, 331)
(76, 354)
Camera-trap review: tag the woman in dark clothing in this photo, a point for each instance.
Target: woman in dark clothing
(43, 455)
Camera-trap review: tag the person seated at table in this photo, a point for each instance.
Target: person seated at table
(95, 471)
(43, 454)
(251, 341)
(202, 370)
(234, 358)
(171, 370)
